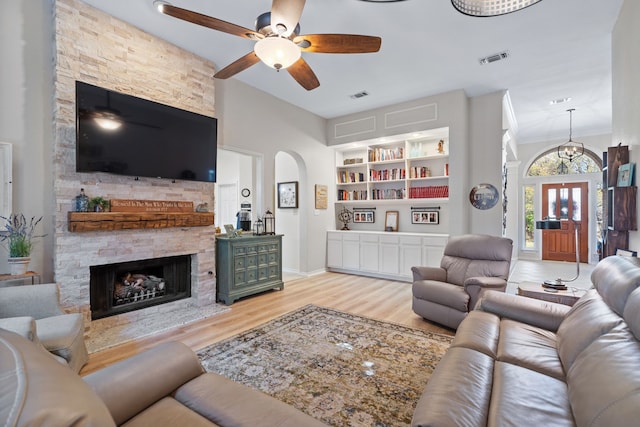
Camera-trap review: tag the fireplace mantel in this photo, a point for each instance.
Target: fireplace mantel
(110, 221)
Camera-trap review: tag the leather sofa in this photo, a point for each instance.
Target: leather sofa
(519, 361)
(164, 386)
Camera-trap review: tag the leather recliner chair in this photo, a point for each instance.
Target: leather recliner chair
(470, 264)
(34, 312)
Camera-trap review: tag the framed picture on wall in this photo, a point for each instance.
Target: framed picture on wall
(288, 195)
(425, 217)
(321, 196)
(364, 215)
(625, 175)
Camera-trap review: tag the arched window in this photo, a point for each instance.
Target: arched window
(548, 163)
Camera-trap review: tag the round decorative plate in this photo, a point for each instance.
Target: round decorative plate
(245, 192)
(484, 196)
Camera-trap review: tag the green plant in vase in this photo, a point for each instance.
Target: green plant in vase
(18, 236)
(98, 204)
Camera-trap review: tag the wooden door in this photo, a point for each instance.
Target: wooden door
(568, 203)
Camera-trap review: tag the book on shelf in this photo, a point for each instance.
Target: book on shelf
(352, 195)
(345, 177)
(388, 194)
(419, 172)
(429, 192)
(384, 154)
(387, 174)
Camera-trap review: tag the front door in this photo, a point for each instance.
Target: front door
(568, 203)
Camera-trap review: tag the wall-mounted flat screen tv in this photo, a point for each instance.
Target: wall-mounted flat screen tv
(125, 135)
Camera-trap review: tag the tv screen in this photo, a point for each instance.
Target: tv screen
(125, 135)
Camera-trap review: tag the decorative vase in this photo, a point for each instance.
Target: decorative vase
(18, 265)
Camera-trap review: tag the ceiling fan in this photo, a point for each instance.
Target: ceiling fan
(278, 40)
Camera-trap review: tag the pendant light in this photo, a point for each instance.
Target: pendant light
(570, 150)
(485, 8)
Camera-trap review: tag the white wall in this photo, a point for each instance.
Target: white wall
(288, 220)
(26, 115)
(485, 164)
(626, 87)
(253, 121)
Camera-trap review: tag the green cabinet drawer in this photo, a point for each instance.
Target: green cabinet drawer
(247, 265)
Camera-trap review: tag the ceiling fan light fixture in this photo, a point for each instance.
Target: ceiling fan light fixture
(570, 150)
(485, 8)
(277, 52)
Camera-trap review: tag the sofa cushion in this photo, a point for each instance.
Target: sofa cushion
(446, 294)
(530, 347)
(632, 313)
(603, 381)
(615, 278)
(228, 403)
(168, 412)
(458, 392)
(36, 390)
(479, 331)
(522, 397)
(589, 318)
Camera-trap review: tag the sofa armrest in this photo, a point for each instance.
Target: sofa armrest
(24, 326)
(543, 314)
(37, 301)
(429, 273)
(130, 386)
(476, 285)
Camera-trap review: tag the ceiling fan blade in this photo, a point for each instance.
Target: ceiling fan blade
(303, 74)
(287, 13)
(210, 22)
(338, 43)
(239, 65)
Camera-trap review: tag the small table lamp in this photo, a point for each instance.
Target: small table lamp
(554, 224)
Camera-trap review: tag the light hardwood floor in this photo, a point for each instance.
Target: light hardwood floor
(377, 298)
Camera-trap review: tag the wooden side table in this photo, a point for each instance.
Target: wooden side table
(29, 276)
(535, 290)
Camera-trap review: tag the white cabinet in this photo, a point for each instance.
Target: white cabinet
(369, 252)
(334, 250)
(351, 251)
(382, 254)
(410, 253)
(389, 254)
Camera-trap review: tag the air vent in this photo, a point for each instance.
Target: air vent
(359, 95)
(493, 58)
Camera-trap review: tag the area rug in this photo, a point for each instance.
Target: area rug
(342, 369)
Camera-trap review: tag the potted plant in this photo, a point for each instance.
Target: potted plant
(19, 234)
(98, 204)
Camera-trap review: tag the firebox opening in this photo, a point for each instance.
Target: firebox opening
(123, 287)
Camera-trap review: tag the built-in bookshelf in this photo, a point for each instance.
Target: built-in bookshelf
(400, 170)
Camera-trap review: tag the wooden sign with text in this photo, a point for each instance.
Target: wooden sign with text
(132, 205)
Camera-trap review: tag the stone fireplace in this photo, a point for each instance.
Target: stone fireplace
(127, 286)
(95, 48)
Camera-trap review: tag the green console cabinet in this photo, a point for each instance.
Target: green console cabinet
(247, 265)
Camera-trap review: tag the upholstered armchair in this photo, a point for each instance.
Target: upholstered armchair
(34, 312)
(471, 263)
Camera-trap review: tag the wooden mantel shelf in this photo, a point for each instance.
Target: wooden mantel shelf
(110, 221)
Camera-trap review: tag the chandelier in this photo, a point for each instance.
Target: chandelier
(485, 8)
(570, 150)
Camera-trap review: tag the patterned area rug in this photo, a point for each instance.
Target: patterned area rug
(342, 369)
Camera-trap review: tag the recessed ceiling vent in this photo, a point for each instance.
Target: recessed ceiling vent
(493, 58)
(359, 95)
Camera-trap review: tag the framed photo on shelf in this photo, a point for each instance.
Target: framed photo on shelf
(288, 195)
(364, 216)
(425, 217)
(625, 174)
(391, 221)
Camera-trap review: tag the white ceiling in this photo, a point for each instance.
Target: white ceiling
(557, 49)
